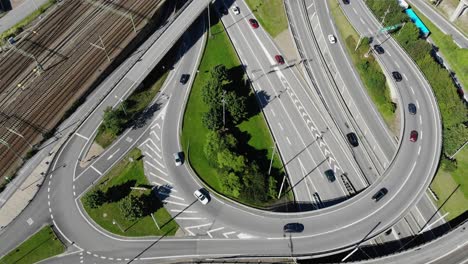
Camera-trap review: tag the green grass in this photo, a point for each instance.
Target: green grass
(42, 245)
(381, 99)
(121, 177)
(194, 133)
(270, 14)
(443, 185)
(460, 175)
(16, 29)
(455, 56)
(135, 105)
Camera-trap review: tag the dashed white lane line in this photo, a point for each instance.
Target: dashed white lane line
(214, 230)
(81, 136)
(420, 120)
(92, 167)
(421, 134)
(398, 65)
(118, 259)
(388, 53)
(158, 169)
(161, 178)
(112, 155)
(419, 150)
(404, 76)
(412, 90)
(362, 20)
(272, 112)
(280, 126)
(95, 255)
(289, 141)
(355, 11)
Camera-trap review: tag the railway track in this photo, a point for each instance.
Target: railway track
(61, 43)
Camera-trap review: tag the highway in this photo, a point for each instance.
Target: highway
(441, 22)
(332, 229)
(354, 97)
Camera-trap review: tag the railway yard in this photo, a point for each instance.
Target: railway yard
(51, 65)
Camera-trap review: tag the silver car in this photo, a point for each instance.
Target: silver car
(178, 158)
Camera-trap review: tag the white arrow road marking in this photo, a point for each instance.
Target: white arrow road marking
(226, 235)
(197, 227)
(214, 230)
(112, 155)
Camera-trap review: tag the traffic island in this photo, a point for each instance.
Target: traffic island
(124, 203)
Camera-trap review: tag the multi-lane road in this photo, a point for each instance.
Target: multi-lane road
(299, 121)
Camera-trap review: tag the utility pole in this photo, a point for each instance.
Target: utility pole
(224, 109)
(121, 104)
(19, 135)
(385, 14)
(102, 47)
(209, 23)
(272, 156)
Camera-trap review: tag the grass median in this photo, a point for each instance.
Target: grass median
(253, 133)
(42, 245)
(270, 14)
(455, 56)
(368, 68)
(127, 179)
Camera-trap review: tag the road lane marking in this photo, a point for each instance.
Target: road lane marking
(183, 211)
(273, 112)
(112, 155)
(81, 136)
(191, 218)
(154, 133)
(92, 167)
(176, 203)
(280, 126)
(172, 196)
(398, 65)
(197, 227)
(226, 235)
(161, 178)
(214, 230)
(158, 169)
(362, 20)
(288, 140)
(420, 120)
(412, 90)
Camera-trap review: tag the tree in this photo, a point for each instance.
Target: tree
(113, 120)
(236, 106)
(213, 119)
(230, 161)
(212, 93)
(230, 184)
(272, 183)
(219, 72)
(94, 199)
(454, 138)
(132, 207)
(254, 184)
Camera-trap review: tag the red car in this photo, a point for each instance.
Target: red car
(253, 23)
(413, 136)
(279, 59)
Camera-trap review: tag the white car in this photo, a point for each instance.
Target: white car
(332, 39)
(201, 197)
(177, 159)
(235, 10)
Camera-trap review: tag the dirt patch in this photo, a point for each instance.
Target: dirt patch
(94, 151)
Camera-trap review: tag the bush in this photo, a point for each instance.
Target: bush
(95, 199)
(132, 207)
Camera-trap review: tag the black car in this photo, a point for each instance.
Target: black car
(379, 49)
(412, 108)
(352, 139)
(184, 78)
(380, 194)
(293, 228)
(330, 174)
(397, 76)
(346, 2)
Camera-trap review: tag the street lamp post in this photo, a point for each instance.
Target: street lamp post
(114, 222)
